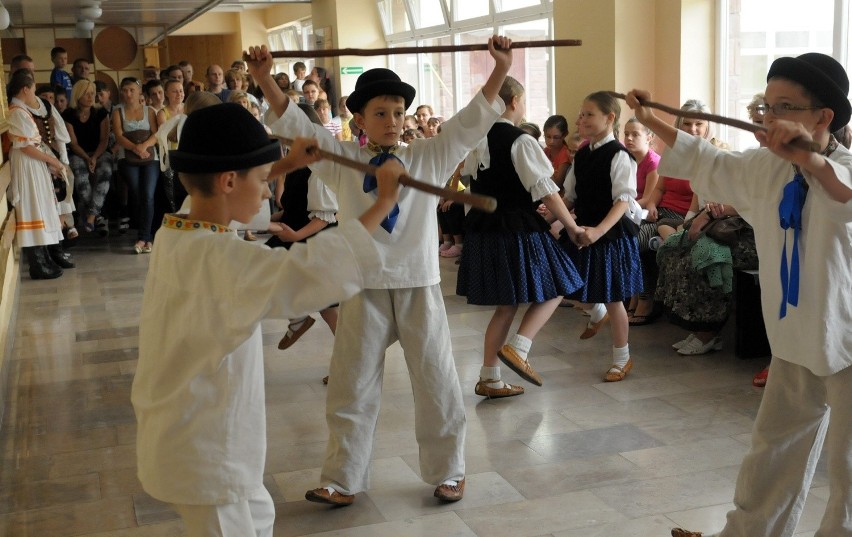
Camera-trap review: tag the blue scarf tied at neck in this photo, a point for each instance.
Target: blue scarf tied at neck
(370, 185)
(790, 211)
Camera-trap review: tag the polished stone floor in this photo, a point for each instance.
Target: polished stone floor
(574, 458)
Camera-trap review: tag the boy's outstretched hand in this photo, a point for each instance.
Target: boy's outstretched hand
(304, 151)
(260, 62)
(634, 101)
(387, 177)
(500, 49)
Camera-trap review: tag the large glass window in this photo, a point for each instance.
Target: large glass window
(761, 31)
(448, 81)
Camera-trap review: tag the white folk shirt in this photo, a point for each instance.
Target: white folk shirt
(818, 333)
(198, 392)
(532, 165)
(410, 253)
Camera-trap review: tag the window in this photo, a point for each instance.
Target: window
(448, 81)
(767, 31)
(295, 36)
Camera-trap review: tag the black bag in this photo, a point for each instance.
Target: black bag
(137, 137)
(60, 188)
(726, 230)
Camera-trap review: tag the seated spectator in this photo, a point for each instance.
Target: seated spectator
(451, 219)
(433, 127)
(531, 129)
(410, 122)
(670, 200)
(422, 114)
(700, 299)
(556, 149)
(283, 81)
(409, 135)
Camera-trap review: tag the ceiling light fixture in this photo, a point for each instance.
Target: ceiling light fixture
(91, 10)
(4, 17)
(85, 26)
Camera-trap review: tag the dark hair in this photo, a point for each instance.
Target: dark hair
(128, 80)
(557, 121)
(608, 105)
(20, 79)
(100, 86)
(412, 132)
(310, 112)
(201, 184)
(79, 61)
(45, 88)
(299, 66)
(17, 60)
(531, 129)
(183, 63)
(56, 50)
(151, 84)
(310, 83)
(235, 63)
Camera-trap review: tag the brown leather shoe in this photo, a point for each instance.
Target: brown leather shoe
(510, 357)
(592, 328)
(679, 532)
(483, 389)
(449, 493)
(617, 373)
(322, 495)
(293, 335)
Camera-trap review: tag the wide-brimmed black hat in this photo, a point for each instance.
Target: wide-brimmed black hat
(223, 138)
(821, 75)
(376, 82)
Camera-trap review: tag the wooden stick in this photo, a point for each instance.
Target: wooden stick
(477, 201)
(333, 53)
(737, 123)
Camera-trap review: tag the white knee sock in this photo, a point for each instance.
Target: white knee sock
(520, 344)
(597, 312)
(491, 373)
(620, 355)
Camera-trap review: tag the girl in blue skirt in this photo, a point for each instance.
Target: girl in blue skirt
(599, 187)
(510, 258)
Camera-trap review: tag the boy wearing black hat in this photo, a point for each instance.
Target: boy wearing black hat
(800, 205)
(198, 392)
(403, 302)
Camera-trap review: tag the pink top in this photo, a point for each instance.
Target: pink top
(648, 165)
(677, 196)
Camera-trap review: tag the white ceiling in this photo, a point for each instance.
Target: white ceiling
(161, 16)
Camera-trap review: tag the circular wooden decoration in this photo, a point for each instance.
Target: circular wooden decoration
(111, 85)
(115, 47)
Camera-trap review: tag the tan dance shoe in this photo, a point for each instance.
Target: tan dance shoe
(450, 493)
(510, 357)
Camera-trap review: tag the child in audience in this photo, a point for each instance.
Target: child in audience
(198, 393)
(299, 69)
(798, 202)
(404, 301)
(451, 218)
(555, 131)
(323, 110)
(511, 258)
(600, 188)
(59, 76)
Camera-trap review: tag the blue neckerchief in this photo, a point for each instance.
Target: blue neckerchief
(370, 185)
(790, 212)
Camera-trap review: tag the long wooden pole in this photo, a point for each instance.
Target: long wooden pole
(737, 123)
(333, 53)
(477, 201)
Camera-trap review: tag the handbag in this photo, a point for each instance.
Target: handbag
(726, 230)
(137, 137)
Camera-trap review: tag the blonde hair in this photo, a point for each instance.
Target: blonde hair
(80, 88)
(510, 89)
(198, 100)
(239, 95)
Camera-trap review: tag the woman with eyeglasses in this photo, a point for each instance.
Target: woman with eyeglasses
(135, 127)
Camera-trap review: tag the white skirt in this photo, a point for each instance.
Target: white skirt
(36, 209)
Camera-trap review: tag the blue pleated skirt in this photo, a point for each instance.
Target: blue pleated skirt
(514, 267)
(611, 268)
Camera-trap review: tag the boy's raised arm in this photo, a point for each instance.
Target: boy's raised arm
(503, 58)
(260, 68)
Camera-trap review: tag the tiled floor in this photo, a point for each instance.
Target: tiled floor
(574, 458)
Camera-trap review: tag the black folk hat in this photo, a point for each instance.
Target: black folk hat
(223, 138)
(821, 75)
(376, 82)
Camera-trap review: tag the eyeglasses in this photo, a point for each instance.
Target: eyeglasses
(782, 109)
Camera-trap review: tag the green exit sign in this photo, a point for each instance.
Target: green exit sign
(351, 70)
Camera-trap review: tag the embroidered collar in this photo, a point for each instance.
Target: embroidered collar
(180, 222)
(377, 149)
